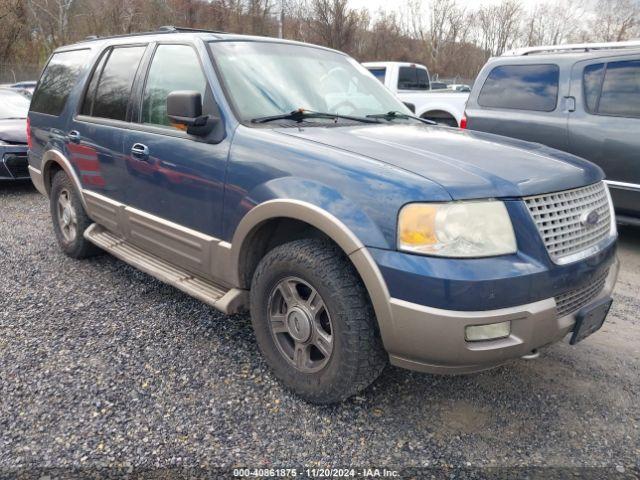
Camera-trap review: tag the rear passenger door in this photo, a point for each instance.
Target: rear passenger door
(95, 135)
(605, 128)
(522, 101)
(174, 176)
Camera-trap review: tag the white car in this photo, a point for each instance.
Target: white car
(411, 83)
(459, 87)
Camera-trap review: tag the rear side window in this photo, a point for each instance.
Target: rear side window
(379, 73)
(521, 87)
(58, 78)
(110, 86)
(412, 78)
(174, 67)
(621, 89)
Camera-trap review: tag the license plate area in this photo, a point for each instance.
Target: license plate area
(590, 319)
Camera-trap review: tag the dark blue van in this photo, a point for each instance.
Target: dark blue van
(282, 178)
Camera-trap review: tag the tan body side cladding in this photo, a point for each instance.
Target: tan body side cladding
(226, 300)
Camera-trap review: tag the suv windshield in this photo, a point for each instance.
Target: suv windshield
(265, 79)
(13, 105)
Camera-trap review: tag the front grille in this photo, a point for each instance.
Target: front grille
(574, 300)
(17, 164)
(560, 218)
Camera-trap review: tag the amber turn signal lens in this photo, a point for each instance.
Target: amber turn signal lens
(417, 224)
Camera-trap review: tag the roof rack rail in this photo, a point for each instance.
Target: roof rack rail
(174, 29)
(572, 48)
(163, 29)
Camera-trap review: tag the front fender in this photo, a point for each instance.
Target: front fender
(315, 203)
(364, 194)
(335, 229)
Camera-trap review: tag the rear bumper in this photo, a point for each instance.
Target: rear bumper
(433, 340)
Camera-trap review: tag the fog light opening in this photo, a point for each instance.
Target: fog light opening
(492, 331)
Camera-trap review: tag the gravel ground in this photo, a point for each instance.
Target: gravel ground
(103, 365)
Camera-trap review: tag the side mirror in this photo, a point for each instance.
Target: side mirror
(185, 107)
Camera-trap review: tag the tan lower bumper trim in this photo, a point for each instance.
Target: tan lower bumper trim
(433, 340)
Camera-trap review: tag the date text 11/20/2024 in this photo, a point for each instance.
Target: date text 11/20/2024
(316, 472)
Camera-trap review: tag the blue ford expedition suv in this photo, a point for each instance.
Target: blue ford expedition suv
(282, 178)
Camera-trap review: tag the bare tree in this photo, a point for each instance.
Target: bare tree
(615, 20)
(51, 18)
(11, 14)
(498, 26)
(335, 23)
(553, 23)
(449, 39)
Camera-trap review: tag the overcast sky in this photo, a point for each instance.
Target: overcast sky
(374, 5)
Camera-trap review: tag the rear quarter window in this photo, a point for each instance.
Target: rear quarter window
(521, 87)
(57, 80)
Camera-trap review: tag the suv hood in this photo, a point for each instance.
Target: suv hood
(467, 164)
(13, 130)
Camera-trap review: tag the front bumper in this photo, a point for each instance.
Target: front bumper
(13, 163)
(433, 340)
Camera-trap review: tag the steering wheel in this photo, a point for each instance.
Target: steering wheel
(342, 79)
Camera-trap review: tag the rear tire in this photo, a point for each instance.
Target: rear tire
(314, 323)
(70, 220)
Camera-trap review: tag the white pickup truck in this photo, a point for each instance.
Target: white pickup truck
(411, 83)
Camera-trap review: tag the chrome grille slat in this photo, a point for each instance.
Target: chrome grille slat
(566, 232)
(558, 219)
(575, 206)
(573, 300)
(585, 240)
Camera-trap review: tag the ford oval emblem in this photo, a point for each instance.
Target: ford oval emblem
(589, 219)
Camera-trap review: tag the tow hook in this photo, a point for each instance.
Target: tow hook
(532, 355)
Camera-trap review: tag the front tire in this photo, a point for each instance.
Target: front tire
(314, 323)
(70, 219)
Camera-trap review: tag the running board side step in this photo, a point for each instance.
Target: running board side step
(226, 300)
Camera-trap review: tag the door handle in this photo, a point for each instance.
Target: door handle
(139, 150)
(569, 104)
(74, 136)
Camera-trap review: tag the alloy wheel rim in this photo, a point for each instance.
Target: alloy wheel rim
(67, 217)
(300, 324)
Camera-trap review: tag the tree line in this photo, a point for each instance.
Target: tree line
(450, 39)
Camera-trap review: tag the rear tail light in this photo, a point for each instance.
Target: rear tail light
(463, 121)
(29, 133)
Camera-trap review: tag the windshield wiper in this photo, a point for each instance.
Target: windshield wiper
(302, 114)
(392, 115)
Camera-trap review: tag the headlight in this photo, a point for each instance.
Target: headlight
(457, 229)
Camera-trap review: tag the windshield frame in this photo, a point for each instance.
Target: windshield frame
(230, 99)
